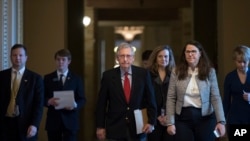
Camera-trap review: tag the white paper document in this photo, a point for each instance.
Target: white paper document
(66, 99)
(140, 119)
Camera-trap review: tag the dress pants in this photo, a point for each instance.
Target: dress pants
(11, 131)
(192, 126)
(62, 135)
(160, 134)
(130, 138)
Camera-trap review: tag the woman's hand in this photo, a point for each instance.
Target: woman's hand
(171, 130)
(221, 129)
(162, 120)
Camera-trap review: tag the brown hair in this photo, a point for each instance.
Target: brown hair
(204, 65)
(153, 66)
(63, 53)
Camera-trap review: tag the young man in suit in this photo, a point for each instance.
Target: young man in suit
(62, 123)
(21, 99)
(115, 118)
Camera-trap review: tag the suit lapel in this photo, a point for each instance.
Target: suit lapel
(55, 80)
(7, 81)
(23, 83)
(67, 79)
(117, 82)
(134, 80)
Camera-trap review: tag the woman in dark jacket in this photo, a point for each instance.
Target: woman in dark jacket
(161, 62)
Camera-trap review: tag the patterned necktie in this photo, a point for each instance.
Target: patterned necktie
(126, 87)
(12, 111)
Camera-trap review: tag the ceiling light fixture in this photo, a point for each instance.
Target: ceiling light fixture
(129, 32)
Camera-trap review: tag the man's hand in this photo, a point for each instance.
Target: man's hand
(32, 131)
(53, 101)
(101, 134)
(148, 128)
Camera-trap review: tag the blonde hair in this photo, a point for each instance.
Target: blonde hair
(241, 52)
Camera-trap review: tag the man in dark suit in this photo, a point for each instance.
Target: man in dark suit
(115, 120)
(20, 109)
(62, 123)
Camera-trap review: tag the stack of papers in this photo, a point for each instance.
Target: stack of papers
(66, 99)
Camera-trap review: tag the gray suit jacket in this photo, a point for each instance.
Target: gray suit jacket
(209, 91)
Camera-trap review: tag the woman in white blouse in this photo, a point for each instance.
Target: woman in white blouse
(194, 106)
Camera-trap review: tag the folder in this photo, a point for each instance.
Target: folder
(141, 118)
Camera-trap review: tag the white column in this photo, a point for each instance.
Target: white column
(11, 23)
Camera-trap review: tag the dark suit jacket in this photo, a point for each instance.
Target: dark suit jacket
(67, 118)
(29, 98)
(113, 112)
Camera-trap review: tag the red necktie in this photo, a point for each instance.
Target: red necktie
(126, 87)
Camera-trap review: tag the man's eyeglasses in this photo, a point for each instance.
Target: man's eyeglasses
(191, 51)
(125, 56)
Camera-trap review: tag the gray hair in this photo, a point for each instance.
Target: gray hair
(125, 45)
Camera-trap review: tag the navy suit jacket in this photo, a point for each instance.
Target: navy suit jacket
(113, 112)
(69, 118)
(237, 110)
(29, 98)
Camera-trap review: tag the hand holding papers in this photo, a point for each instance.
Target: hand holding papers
(141, 119)
(65, 99)
(246, 96)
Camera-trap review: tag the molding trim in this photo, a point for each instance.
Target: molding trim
(11, 23)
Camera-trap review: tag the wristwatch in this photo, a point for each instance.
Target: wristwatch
(222, 122)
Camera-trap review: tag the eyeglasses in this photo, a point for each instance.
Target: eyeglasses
(191, 51)
(125, 56)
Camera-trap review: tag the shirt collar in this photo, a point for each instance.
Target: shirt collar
(64, 73)
(129, 71)
(21, 71)
(190, 71)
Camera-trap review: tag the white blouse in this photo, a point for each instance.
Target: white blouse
(192, 97)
